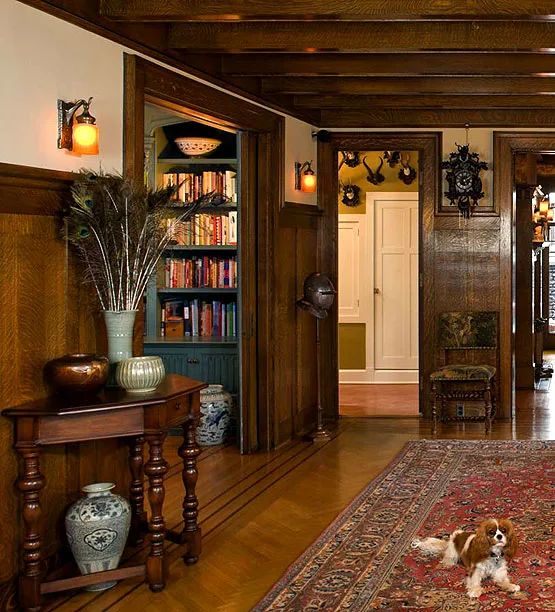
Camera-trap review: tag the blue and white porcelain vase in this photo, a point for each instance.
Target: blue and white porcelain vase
(215, 422)
(97, 527)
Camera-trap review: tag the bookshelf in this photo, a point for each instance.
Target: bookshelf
(193, 302)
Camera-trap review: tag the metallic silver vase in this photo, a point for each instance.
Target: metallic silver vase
(97, 527)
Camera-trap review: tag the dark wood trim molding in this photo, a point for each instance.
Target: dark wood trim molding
(428, 145)
(505, 145)
(145, 81)
(25, 190)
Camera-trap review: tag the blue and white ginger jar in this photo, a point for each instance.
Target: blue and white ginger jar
(97, 527)
(215, 422)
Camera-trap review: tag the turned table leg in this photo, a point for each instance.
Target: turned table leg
(189, 451)
(30, 483)
(136, 489)
(156, 468)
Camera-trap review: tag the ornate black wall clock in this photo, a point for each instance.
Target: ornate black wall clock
(463, 177)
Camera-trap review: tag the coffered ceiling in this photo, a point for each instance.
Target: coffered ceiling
(353, 63)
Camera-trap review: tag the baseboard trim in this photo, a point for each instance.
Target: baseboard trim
(378, 377)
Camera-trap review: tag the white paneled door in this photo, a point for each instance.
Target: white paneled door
(396, 281)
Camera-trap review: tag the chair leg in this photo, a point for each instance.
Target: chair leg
(488, 408)
(493, 400)
(434, 409)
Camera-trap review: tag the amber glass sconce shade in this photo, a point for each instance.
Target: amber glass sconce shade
(78, 134)
(305, 177)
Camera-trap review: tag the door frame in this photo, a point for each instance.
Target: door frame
(505, 145)
(429, 146)
(262, 157)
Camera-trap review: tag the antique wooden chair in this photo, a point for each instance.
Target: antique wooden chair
(468, 345)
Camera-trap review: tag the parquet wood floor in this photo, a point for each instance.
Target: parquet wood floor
(378, 400)
(259, 512)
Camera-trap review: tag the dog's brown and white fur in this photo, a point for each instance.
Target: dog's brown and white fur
(484, 554)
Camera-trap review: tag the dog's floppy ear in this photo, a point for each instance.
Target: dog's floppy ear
(480, 546)
(511, 548)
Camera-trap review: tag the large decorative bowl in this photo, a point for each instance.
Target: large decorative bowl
(197, 146)
(77, 373)
(140, 374)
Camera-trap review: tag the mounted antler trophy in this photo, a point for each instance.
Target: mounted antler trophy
(407, 173)
(350, 159)
(374, 177)
(392, 158)
(351, 194)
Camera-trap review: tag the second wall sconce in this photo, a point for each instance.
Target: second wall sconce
(305, 178)
(81, 135)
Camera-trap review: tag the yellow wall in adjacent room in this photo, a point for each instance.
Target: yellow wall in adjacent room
(352, 346)
(357, 176)
(352, 336)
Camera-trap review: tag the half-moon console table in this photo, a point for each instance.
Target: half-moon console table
(112, 414)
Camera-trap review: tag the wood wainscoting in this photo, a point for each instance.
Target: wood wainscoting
(44, 313)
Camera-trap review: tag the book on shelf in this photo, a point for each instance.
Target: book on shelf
(200, 271)
(233, 227)
(192, 185)
(199, 318)
(204, 229)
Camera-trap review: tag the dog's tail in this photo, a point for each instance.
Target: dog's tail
(431, 546)
(436, 547)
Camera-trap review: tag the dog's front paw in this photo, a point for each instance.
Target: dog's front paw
(513, 588)
(474, 593)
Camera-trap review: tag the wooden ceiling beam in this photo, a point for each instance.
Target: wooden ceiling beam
(408, 86)
(382, 64)
(361, 10)
(380, 118)
(368, 37)
(422, 101)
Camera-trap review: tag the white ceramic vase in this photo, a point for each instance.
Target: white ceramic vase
(119, 329)
(215, 410)
(140, 374)
(97, 527)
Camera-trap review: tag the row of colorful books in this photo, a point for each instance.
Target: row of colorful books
(204, 229)
(198, 318)
(191, 185)
(200, 271)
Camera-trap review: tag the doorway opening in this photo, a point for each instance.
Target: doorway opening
(378, 282)
(193, 303)
(535, 276)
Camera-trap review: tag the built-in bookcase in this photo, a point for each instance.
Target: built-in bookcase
(193, 303)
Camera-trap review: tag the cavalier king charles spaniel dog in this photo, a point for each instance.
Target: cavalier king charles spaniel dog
(484, 553)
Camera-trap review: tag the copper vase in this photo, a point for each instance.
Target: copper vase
(77, 373)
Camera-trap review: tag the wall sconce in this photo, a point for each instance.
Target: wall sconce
(305, 178)
(80, 136)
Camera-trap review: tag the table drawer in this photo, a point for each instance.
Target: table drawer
(94, 426)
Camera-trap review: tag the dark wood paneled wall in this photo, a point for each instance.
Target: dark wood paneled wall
(44, 313)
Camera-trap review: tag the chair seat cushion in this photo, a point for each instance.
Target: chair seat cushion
(464, 372)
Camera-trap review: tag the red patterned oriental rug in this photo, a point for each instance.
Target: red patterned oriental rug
(364, 560)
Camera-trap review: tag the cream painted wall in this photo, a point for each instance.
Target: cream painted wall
(43, 58)
(299, 147)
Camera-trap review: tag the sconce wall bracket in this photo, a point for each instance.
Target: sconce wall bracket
(298, 172)
(66, 111)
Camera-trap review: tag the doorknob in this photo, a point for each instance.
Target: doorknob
(376, 291)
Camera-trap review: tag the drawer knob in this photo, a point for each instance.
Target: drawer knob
(189, 360)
